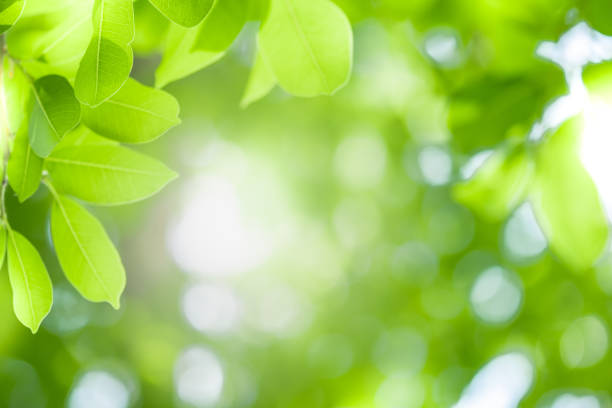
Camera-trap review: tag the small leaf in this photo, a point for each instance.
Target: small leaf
(499, 185)
(32, 289)
(260, 83)
(107, 62)
(135, 114)
(187, 13)
(308, 45)
(566, 202)
(24, 166)
(221, 26)
(85, 252)
(179, 59)
(56, 111)
(10, 11)
(107, 175)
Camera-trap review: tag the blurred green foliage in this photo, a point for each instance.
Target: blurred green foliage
(345, 251)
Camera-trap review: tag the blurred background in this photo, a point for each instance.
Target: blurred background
(311, 253)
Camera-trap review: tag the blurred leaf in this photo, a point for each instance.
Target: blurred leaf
(16, 93)
(499, 185)
(107, 175)
(32, 289)
(151, 27)
(308, 45)
(221, 26)
(598, 13)
(85, 252)
(260, 83)
(486, 110)
(566, 202)
(187, 13)
(55, 112)
(107, 62)
(135, 114)
(10, 11)
(52, 42)
(179, 59)
(24, 166)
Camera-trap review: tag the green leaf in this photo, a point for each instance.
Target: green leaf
(86, 253)
(2, 245)
(52, 42)
(56, 111)
(151, 28)
(10, 11)
(187, 13)
(24, 166)
(308, 45)
(82, 135)
(566, 202)
(16, 93)
(107, 62)
(221, 26)
(179, 59)
(260, 83)
(499, 185)
(107, 175)
(32, 289)
(135, 114)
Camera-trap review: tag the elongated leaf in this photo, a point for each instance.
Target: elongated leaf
(107, 62)
(56, 111)
(2, 245)
(308, 45)
(135, 114)
(221, 26)
(566, 202)
(187, 13)
(32, 289)
(179, 59)
(16, 93)
(85, 252)
(10, 11)
(260, 83)
(24, 166)
(106, 175)
(499, 185)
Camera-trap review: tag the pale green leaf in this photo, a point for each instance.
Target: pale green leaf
(82, 135)
(16, 93)
(32, 289)
(2, 246)
(86, 253)
(221, 26)
(106, 175)
(179, 60)
(499, 185)
(135, 114)
(260, 83)
(187, 13)
(52, 42)
(566, 202)
(24, 166)
(10, 11)
(108, 59)
(151, 28)
(56, 111)
(308, 45)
